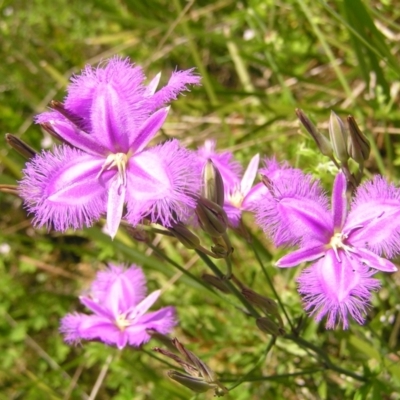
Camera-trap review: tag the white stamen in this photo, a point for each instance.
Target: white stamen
(118, 160)
(236, 198)
(337, 243)
(121, 322)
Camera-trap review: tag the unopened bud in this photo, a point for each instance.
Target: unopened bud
(10, 189)
(17, 144)
(213, 185)
(266, 325)
(136, 233)
(358, 146)
(50, 130)
(322, 142)
(185, 236)
(77, 121)
(195, 384)
(267, 304)
(338, 136)
(212, 217)
(216, 282)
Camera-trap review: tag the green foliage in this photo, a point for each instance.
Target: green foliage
(259, 60)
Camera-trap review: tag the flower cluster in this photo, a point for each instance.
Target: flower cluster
(345, 245)
(117, 298)
(105, 166)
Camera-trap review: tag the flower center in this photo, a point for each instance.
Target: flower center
(236, 198)
(337, 242)
(118, 160)
(121, 322)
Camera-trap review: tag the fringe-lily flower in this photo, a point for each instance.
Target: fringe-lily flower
(106, 122)
(120, 311)
(345, 245)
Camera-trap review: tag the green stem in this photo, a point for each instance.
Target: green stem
(325, 359)
(232, 287)
(271, 285)
(267, 349)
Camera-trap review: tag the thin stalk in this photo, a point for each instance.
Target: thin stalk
(183, 270)
(261, 359)
(271, 285)
(326, 360)
(232, 287)
(277, 377)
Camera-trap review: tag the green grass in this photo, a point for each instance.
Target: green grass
(259, 60)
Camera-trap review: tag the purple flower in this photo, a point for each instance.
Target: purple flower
(346, 245)
(117, 300)
(242, 195)
(109, 118)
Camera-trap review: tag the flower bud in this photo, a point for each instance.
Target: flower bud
(10, 189)
(195, 384)
(185, 236)
(266, 325)
(213, 185)
(322, 142)
(212, 217)
(19, 145)
(198, 377)
(216, 282)
(338, 136)
(267, 304)
(137, 233)
(358, 145)
(77, 121)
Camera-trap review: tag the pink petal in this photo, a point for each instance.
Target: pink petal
(250, 175)
(145, 304)
(301, 255)
(77, 138)
(115, 206)
(148, 130)
(339, 201)
(337, 289)
(374, 261)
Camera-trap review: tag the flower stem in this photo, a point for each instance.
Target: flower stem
(232, 287)
(271, 285)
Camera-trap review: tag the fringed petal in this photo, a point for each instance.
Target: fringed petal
(162, 184)
(374, 219)
(131, 284)
(337, 290)
(294, 209)
(62, 190)
(177, 84)
(118, 74)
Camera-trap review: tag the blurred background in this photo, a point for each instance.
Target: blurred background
(259, 61)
